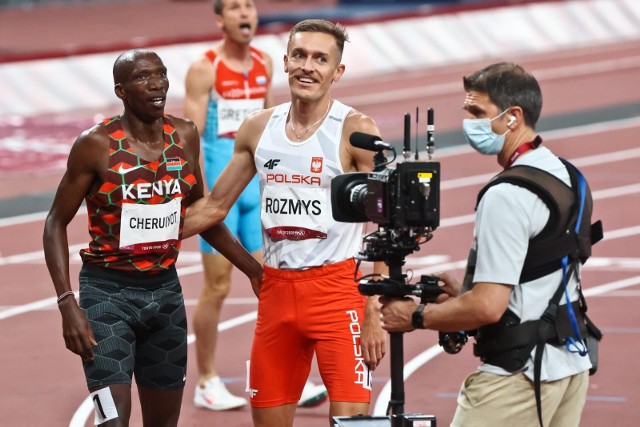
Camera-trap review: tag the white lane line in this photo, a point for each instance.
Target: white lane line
(380, 407)
(22, 219)
(624, 190)
(25, 308)
(616, 263)
(620, 233)
(36, 255)
(619, 284)
(598, 159)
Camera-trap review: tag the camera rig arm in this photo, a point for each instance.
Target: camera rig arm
(427, 289)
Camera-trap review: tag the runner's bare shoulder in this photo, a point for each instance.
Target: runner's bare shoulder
(254, 124)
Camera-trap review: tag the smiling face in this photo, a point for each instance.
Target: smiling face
(142, 83)
(238, 20)
(313, 63)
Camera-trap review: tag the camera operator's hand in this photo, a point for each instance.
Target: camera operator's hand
(450, 286)
(396, 314)
(373, 337)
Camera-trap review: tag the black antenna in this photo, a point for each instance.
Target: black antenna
(430, 131)
(417, 112)
(406, 149)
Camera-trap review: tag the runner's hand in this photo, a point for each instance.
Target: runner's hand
(373, 337)
(256, 284)
(76, 331)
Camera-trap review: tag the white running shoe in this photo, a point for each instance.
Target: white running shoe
(312, 395)
(215, 396)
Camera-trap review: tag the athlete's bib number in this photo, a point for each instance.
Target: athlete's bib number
(295, 213)
(232, 112)
(149, 228)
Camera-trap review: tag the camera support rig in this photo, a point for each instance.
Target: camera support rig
(405, 203)
(396, 287)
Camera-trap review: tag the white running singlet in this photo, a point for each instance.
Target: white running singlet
(298, 230)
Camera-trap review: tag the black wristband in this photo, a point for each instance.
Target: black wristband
(417, 318)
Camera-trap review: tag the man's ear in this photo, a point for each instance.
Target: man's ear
(119, 91)
(219, 22)
(338, 73)
(515, 117)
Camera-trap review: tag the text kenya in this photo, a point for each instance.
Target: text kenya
(146, 190)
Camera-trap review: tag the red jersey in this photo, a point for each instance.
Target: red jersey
(235, 95)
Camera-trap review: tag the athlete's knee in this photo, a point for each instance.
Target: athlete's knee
(160, 407)
(217, 274)
(215, 292)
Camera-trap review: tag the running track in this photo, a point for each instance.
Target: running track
(44, 383)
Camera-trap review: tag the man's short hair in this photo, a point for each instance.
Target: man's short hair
(507, 85)
(218, 5)
(338, 31)
(126, 62)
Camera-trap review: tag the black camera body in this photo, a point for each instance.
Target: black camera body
(407, 196)
(404, 202)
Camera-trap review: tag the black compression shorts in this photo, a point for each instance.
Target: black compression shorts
(140, 324)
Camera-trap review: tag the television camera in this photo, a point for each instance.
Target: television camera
(405, 204)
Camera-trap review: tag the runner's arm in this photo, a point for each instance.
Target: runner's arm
(198, 83)
(218, 236)
(373, 339)
(211, 210)
(84, 158)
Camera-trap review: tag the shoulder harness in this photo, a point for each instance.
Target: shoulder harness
(509, 343)
(558, 238)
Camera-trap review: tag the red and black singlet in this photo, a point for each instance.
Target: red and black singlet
(137, 214)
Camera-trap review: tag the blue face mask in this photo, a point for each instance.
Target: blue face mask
(481, 137)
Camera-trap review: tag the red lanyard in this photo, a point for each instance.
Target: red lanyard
(527, 146)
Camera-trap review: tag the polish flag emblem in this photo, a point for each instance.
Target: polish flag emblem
(316, 164)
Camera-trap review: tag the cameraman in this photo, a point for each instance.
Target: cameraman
(503, 103)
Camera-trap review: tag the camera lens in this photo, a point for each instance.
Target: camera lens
(357, 196)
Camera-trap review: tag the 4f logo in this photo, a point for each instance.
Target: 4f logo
(272, 163)
(316, 164)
